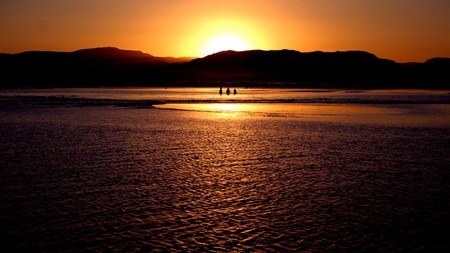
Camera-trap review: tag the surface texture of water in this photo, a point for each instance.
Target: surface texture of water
(124, 179)
(195, 95)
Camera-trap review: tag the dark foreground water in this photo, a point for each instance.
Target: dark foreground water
(108, 178)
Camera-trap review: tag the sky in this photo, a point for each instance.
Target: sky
(401, 30)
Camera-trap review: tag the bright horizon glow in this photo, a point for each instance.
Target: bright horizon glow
(224, 42)
(220, 33)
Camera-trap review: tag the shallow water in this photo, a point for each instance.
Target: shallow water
(385, 114)
(273, 95)
(263, 177)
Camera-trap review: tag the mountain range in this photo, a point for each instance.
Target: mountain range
(111, 66)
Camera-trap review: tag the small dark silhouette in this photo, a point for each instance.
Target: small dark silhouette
(234, 92)
(220, 91)
(228, 91)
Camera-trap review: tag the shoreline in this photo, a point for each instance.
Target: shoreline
(343, 97)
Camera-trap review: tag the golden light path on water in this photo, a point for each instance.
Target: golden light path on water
(418, 115)
(290, 108)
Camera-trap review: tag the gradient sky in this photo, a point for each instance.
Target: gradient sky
(402, 30)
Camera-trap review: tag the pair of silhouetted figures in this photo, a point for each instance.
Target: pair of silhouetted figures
(228, 91)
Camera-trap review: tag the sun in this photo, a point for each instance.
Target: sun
(224, 42)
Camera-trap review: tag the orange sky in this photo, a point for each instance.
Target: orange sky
(402, 30)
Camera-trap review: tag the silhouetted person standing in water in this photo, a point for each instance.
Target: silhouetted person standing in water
(234, 92)
(228, 91)
(220, 91)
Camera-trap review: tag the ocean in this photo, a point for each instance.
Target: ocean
(189, 170)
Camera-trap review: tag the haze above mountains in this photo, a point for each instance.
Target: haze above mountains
(116, 67)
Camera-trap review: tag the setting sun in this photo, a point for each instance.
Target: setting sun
(224, 42)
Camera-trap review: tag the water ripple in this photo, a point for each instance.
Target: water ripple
(118, 179)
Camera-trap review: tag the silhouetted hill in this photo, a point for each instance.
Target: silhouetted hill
(177, 59)
(87, 67)
(439, 61)
(291, 65)
(111, 66)
(338, 69)
(115, 55)
(110, 52)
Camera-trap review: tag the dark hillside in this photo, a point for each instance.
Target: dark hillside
(115, 67)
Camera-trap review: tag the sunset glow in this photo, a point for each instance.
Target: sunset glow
(215, 34)
(404, 31)
(225, 42)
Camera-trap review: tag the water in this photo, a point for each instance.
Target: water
(341, 171)
(210, 95)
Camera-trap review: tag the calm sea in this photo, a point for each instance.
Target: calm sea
(188, 170)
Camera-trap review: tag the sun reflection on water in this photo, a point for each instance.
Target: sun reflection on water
(214, 107)
(436, 115)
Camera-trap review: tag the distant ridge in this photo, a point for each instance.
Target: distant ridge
(97, 54)
(438, 60)
(111, 53)
(110, 66)
(332, 69)
(292, 55)
(288, 61)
